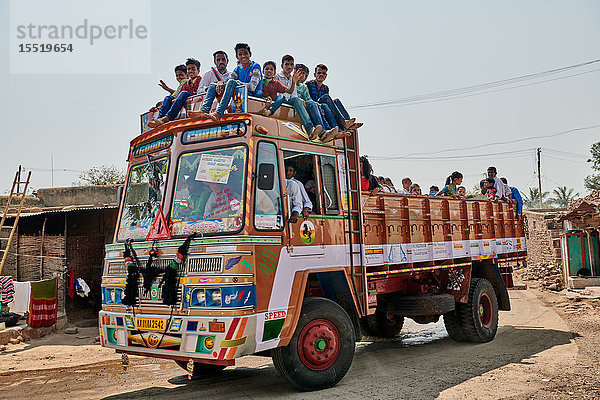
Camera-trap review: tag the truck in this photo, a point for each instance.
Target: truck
(252, 282)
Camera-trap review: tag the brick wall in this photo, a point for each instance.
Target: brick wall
(543, 244)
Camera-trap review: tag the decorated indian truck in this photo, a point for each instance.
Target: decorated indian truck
(205, 266)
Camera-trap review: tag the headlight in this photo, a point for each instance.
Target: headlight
(200, 297)
(216, 297)
(209, 342)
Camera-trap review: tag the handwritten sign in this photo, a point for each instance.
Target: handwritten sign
(214, 168)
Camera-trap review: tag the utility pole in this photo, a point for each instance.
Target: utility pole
(539, 151)
(52, 169)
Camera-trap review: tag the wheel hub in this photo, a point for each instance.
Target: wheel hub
(485, 310)
(319, 344)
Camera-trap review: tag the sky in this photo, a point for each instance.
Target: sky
(376, 51)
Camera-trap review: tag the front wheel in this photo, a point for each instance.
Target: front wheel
(321, 349)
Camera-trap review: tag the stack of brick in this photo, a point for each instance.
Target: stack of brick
(549, 276)
(543, 243)
(544, 256)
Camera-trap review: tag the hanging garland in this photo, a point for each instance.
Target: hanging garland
(150, 273)
(169, 280)
(133, 275)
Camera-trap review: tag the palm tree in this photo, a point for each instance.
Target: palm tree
(532, 200)
(562, 196)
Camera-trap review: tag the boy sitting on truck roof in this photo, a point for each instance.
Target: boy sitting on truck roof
(285, 77)
(247, 72)
(320, 93)
(220, 75)
(170, 109)
(181, 76)
(319, 113)
(273, 89)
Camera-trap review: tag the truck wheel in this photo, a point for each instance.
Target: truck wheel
(384, 324)
(479, 316)
(201, 369)
(321, 349)
(453, 326)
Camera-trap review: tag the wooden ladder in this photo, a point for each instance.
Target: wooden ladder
(355, 221)
(19, 195)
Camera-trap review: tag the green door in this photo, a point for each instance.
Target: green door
(574, 253)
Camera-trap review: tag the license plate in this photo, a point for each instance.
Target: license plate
(151, 324)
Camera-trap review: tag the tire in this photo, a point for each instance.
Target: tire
(477, 320)
(453, 325)
(384, 324)
(317, 364)
(409, 306)
(201, 369)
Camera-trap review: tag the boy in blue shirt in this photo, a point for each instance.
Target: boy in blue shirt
(247, 72)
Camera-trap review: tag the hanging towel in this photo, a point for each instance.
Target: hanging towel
(71, 283)
(20, 304)
(7, 289)
(43, 304)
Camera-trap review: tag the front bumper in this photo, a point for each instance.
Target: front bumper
(204, 339)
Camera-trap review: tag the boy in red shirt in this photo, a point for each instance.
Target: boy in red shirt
(168, 110)
(273, 89)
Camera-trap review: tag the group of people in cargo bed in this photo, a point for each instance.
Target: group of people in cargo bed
(492, 188)
(322, 117)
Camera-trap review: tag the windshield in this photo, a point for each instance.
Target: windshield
(145, 191)
(209, 195)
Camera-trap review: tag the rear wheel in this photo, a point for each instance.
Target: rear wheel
(321, 349)
(477, 320)
(201, 369)
(384, 324)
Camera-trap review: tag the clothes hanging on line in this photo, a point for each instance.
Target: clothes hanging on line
(20, 304)
(7, 289)
(81, 287)
(43, 304)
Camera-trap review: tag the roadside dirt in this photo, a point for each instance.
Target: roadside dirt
(547, 347)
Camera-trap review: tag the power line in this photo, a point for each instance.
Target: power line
(574, 130)
(566, 159)
(471, 90)
(567, 153)
(434, 99)
(514, 153)
(50, 169)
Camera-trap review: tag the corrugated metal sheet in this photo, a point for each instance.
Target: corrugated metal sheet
(59, 210)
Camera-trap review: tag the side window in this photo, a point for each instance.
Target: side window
(268, 215)
(330, 192)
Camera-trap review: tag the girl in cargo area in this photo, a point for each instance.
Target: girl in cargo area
(452, 183)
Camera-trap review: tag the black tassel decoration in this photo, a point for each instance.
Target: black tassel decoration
(150, 272)
(133, 276)
(169, 280)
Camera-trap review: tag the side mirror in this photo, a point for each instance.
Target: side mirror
(266, 176)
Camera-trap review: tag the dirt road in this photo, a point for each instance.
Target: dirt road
(535, 355)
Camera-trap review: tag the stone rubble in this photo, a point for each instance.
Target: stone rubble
(549, 276)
